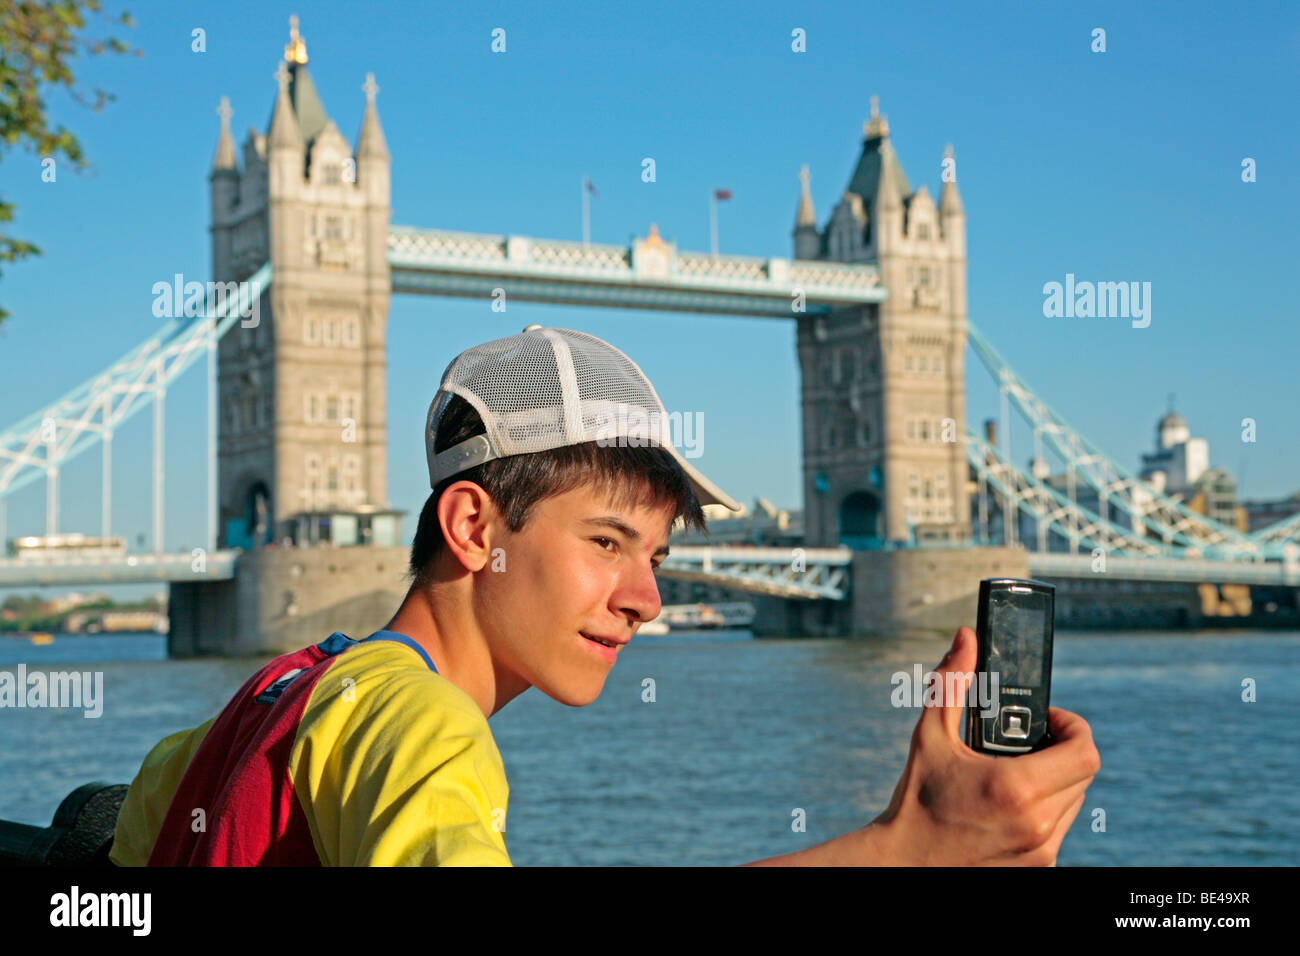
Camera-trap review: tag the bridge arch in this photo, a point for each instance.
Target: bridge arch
(860, 521)
(251, 523)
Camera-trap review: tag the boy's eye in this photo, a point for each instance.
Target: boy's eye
(608, 540)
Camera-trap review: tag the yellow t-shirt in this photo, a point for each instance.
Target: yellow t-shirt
(346, 753)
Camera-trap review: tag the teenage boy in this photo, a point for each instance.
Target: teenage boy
(554, 489)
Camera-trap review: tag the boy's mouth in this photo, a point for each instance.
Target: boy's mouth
(605, 641)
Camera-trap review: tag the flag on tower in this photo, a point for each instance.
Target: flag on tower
(721, 194)
(591, 188)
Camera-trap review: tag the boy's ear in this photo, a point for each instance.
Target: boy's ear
(468, 518)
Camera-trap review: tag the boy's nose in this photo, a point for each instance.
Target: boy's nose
(639, 598)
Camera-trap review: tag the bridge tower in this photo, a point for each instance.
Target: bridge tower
(883, 386)
(301, 438)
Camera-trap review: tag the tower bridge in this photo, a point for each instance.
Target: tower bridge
(905, 507)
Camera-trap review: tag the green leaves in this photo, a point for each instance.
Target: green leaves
(38, 41)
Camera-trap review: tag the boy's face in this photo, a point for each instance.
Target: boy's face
(578, 566)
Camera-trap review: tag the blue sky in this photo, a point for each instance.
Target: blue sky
(1115, 166)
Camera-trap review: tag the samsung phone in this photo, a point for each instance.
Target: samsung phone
(1014, 663)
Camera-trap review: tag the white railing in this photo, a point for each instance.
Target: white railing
(74, 570)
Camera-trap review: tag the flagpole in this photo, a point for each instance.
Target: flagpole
(713, 222)
(586, 214)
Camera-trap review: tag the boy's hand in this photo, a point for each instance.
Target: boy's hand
(956, 807)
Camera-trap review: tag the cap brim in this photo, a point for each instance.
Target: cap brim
(706, 492)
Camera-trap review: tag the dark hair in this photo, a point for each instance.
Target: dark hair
(516, 484)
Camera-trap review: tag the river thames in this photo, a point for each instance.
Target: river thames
(743, 733)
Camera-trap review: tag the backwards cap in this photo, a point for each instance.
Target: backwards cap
(547, 388)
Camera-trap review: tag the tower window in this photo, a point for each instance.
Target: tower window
(333, 175)
(923, 231)
(848, 365)
(310, 331)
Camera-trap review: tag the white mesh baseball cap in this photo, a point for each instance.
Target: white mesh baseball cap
(547, 388)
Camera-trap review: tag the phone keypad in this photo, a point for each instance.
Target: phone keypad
(1015, 721)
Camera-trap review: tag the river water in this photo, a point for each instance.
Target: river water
(744, 732)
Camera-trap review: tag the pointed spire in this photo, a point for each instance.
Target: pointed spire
(805, 216)
(949, 198)
(893, 186)
(878, 176)
(370, 141)
(225, 155)
(877, 127)
(306, 111)
(284, 125)
(295, 51)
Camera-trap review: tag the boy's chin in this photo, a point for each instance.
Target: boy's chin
(574, 693)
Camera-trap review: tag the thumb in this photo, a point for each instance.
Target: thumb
(953, 674)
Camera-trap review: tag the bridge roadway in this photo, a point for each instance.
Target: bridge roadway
(801, 573)
(648, 274)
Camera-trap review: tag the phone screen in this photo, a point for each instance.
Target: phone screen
(1017, 637)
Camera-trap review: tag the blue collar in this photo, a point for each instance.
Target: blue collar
(382, 635)
(338, 642)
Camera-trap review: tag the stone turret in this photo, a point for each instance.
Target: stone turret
(807, 243)
(303, 391)
(884, 386)
(952, 214)
(223, 185)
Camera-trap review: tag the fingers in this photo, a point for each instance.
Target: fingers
(1071, 759)
(954, 675)
(1059, 812)
(1063, 825)
(1061, 808)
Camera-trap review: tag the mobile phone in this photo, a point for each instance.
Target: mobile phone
(1014, 662)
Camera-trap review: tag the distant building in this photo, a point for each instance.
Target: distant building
(766, 526)
(1179, 468)
(1261, 514)
(58, 605)
(107, 622)
(1215, 495)
(1178, 461)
